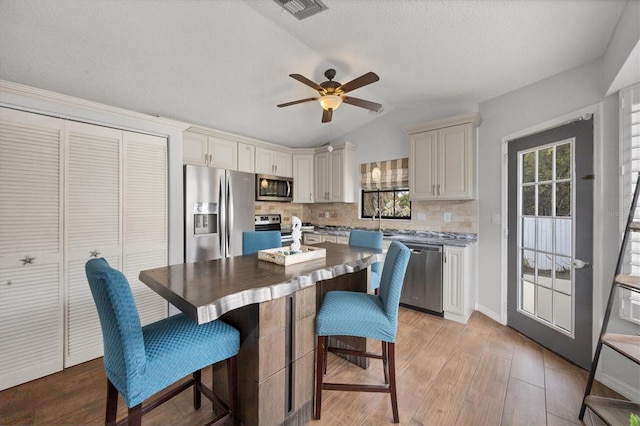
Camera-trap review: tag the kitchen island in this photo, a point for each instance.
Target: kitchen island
(274, 308)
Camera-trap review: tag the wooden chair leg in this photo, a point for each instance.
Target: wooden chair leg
(385, 362)
(197, 396)
(232, 377)
(134, 417)
(392, 381)
(325, 352)
(320, 368)
(112, 404)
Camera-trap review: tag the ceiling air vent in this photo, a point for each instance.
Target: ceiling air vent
(302, 8)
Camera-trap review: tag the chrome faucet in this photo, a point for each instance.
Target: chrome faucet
(379, 212)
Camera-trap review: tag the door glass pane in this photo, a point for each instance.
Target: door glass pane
(529, 232)
(563, 161)
(563, 199)
(545, 199)
(546, 235)
(545, 164)
(545, 303)
(529, 167)
(529, 200)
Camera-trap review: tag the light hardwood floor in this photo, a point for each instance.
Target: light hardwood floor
(448, 374)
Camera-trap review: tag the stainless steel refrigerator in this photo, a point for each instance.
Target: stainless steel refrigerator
(219, 206)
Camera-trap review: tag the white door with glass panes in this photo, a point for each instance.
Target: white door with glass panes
(550, 208)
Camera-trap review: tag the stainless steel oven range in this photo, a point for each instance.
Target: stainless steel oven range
(273, 222)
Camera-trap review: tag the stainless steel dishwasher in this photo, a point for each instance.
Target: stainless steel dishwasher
(422, 288)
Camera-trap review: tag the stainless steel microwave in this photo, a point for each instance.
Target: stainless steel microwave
(274, 188)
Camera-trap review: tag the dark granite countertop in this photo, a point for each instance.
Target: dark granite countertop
(408, 236)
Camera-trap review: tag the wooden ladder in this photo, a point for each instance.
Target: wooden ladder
(616, 411)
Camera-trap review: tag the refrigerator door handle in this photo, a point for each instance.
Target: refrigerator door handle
(229, 197)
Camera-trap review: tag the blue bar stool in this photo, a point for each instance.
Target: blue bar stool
(346, 313)
(369, 239)
(142, 361)
(252, 241)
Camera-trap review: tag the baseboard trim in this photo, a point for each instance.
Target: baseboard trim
(622, 388)
(491, 314)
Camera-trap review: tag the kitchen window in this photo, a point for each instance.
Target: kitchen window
(393, 204)
(385, 189)
(630, 158)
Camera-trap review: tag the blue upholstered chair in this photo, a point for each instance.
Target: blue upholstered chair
(369, 239)
(141, 361)
(346, 313)
(252, 241)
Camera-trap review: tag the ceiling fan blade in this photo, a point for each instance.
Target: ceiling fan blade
(363, 80)
(373, 106)
(305, 80)
(326, 115)
(297, 102)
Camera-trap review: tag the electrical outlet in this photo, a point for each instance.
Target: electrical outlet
(447, 216)
(326, 215)
(422, 217)
(495, 219)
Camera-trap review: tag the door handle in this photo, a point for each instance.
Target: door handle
(579, 264)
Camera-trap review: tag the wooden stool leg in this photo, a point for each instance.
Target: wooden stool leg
(232, 377)
(197, 398)
(112, 404)
(135, 416)
(385, 361)
(392, 381)
(320, 368)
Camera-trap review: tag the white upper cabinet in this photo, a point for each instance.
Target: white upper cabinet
(273, 162)
(442, 159)
(303, 178)
(334, 174)
(210, 150)
(246, 158)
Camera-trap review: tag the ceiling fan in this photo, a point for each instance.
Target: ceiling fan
(332, 93)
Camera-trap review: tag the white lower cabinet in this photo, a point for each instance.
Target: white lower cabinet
(457, 282)
(324, 238)
(100, 192)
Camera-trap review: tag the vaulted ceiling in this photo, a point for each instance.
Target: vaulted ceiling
(224, 64)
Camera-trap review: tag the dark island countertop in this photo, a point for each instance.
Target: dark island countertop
(206, 290)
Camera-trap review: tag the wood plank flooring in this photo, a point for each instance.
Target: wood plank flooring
(448, 374)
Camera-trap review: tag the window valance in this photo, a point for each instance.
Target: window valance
(385, 175)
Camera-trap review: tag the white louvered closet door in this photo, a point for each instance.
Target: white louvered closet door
(92, 228)
(145, 218)
(31, 297)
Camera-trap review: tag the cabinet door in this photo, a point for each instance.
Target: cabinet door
(423, 151)
(336, 170)
(223, 153)
(329, 239)
(312, 238)
(456, 163)
(92, 228)
(145, 219)
(342, 240)
(31, 247)
(264, 161)
(453, 280)
(282, 162)
(303, 178)
(322, 178)
(246, 158)
(195, 149)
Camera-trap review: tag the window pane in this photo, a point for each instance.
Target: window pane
(544, 303)
(545, 234)
(529, 167)
(545, 262)
(369, 203)
(529, 232)
(562, 310)
(563, 199)
(386, 204)
(403, 204)
(544, 199)
(528, 265)
(563, 274)
(528, 301)
(529, 200)
(563, 237)
(563, 161)
(545, 164)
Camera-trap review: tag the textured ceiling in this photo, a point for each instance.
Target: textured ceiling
(224, 64)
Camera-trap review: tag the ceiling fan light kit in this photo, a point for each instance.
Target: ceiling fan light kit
(333, 94)
(330, 102)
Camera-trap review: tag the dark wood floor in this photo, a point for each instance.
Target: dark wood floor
(448, 374)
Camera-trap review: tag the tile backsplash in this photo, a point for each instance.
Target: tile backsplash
(464, 215)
